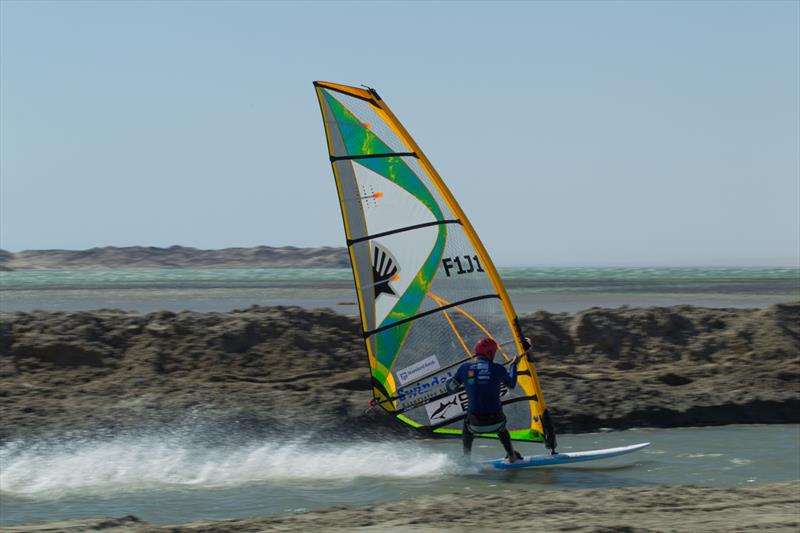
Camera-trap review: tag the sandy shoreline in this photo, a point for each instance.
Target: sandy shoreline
(772, 507)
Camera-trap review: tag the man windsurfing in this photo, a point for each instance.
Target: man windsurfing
(482, 378)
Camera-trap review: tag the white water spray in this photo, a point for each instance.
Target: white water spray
(48, 471)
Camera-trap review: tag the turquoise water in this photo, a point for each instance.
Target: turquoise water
(170, 479)
(172, 277)
(531, 289)
(256, 276)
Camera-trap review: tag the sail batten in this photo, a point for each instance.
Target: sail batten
(371, 156)
(426, 287)
(351, 242)
(430, 312)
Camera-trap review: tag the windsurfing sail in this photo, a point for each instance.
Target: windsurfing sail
(427, 290)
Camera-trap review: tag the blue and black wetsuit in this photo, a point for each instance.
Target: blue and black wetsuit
(482, 379)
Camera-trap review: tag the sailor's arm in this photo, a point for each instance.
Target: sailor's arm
(511, 375)
(455, 381)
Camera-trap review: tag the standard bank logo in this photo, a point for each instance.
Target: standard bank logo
(418, 370)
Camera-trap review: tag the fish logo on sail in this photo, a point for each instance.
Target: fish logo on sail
(441, 411)
(384, 270)
(447, 408)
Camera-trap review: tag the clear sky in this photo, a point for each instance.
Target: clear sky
(572, 133)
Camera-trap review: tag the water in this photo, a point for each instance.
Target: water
(531, 289)
(174, 479)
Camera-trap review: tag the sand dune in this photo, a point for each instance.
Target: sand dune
(176, 257)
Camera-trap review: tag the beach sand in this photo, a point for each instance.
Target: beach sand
(770, 507)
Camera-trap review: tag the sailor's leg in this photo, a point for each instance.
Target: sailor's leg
(549, 432)
(466, 439)
(505, 439)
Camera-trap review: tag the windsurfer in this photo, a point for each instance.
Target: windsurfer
(482, 378)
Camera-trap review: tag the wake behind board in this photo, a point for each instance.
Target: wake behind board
(561, 458)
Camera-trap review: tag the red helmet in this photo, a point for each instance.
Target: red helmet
(486, 348)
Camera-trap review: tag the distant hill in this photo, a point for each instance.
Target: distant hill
(176, 257)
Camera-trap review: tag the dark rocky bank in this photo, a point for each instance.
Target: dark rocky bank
(288, 370)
